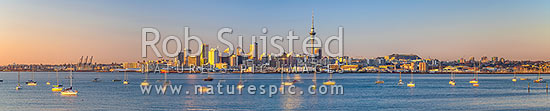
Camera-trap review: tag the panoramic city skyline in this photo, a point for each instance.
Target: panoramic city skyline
(445, 30)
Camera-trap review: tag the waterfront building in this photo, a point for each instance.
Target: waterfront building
(422, 67)
(131, 65)
(318, 53)
(193, 61)
(213, 56)
(462, 60)
(494, 59)
(472, 59)
(182, 57)
(484, 59)
(204, 55)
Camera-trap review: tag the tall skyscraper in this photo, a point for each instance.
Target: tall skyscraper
(204, 54)
(181, 58)
(213, 56)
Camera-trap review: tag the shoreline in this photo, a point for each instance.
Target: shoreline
(317, 73)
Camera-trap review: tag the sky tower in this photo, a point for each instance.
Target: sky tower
(312, 34)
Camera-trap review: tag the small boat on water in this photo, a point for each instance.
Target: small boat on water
(166, 82)
(539, 80)
(31, 82)
(18, 84)
(514, 79)
(329, 81)
(57, 87)
(411, 84)
(116, 80)
(452, 82)
(523, 79)
(475, 81)
(145, 83)
(48, 82)
(204, 89)
(96, 80)
(287, 82)
(400, 80)
(208, 79)
(240, 85)
(70, 90)
(378, 81)
(1, 80)
(125, 82)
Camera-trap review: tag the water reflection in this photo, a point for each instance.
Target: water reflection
(496, 92)
(291, 101)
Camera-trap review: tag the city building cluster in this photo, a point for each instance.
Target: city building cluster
(214, 61)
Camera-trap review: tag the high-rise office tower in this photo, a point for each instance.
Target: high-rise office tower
(204, 54)
(213, 56)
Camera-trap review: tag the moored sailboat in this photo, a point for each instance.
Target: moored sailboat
(31, 82)
(400, 80)
(514, 79)
(475, 81)
(145, 83)
(288, 82)
(378, 81)
(539, 78)
(240, 85)
(96, 79)
(18, 84)
(48, 82)
(411, 83)
(452, 82)
(329, 81)
(125, 82)
(166, 82)
(70, 90)
(57, 87)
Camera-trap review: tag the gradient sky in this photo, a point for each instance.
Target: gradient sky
(62, 31)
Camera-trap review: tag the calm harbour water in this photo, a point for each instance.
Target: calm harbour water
(432, 92)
